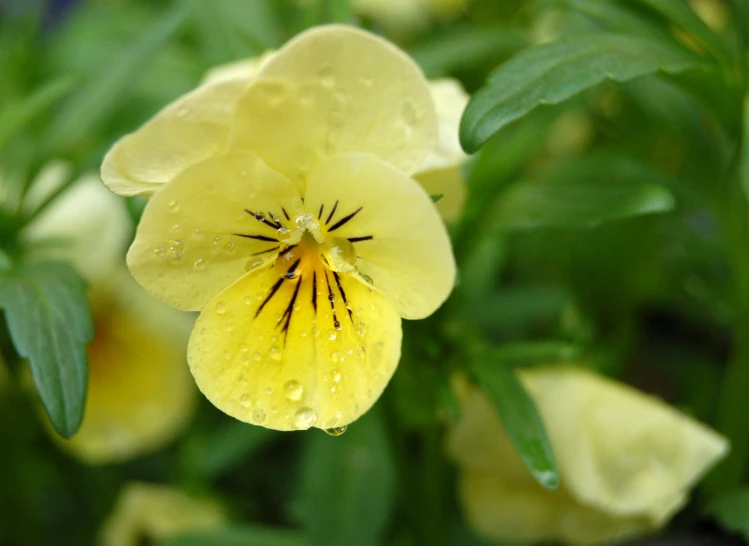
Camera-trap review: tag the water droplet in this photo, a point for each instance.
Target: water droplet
(243, 380)
(283, 234)
(245, 400)
(358, 311)
(243, 348)
(221, 308)
(177, 257)
(337, 324)
(230, 246)
(197, 234)
(217, 240)
(362, 329)
(336, 357)
(331, 298)
(247, 300)
(274, 353)
(176, 228)
(258, 415)
(176, 246)
(173, 206)
(304, 418)
(339, 254)
(333, 387)
(335, 374)
(159, 251)
(268, 390)
(257, 357)
(198, 263)
(381, 344)
(293, 390)
(409, 114)
(336, 431)
(305, 222)
(332, 334)
(259, 216)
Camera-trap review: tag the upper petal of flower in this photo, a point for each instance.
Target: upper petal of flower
(401, 242)
(291, 353)
(335, 89)
(450, 99)
(243, 70)
(185, 132)
(212, 222)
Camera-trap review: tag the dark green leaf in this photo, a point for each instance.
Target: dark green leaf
(520, 418)
(99, 97)
(552, 73)
(535, 352)
(347, 485)
(583, 194)
(239, 535)
(462, 48)
(50, 323)
(232, 443)
(731, 509)
(617, 17)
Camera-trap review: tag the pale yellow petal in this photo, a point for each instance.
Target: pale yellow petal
(279, 353)
(243, 70)
(185, 132)
(86, 226)
(212, 222)
(149, 512)
(620, 450)
(400, 240)
(140, 393)
(450, 99)
(447, 182)
(336, 89)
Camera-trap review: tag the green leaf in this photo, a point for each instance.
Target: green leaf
(97, 99)
(15, 117)
(239, 535)
(583, 195)
(679, 12)
(348, 485)
(519, 416)
(552, 73)
(230, 444)
(731, 509)
(466, 47)
(535, 352)
(50, 324)
(617, 17)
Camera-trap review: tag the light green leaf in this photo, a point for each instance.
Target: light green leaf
(583, 195)
(348, 485)
(519, 416)
(50, 324)
(15, 117)
(731, 509)
(87, 108)
(239, 535)
(552, 73)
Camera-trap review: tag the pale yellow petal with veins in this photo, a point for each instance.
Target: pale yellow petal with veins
(400, 240)
(190, 129)
(202, 231)
(336, 89)
(626, 461)
(291, 353)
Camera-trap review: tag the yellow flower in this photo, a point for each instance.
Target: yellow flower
(149, 513)
(291, 221)
(626, 461)
(140, 393)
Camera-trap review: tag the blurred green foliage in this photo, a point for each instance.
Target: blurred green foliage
(606, 222)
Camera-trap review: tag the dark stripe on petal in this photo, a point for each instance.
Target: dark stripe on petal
(285, 213)
(343, 295)
(273, 290)
(319, 214)
(257, 237)
(331, 299)
(358, 239)
(344, 220)
(260, 217)
(266, 251)
(332, 212)
(314, 291)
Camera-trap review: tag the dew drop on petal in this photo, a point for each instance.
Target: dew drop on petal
(159, 251)
(257, 357)
(337, 324)
(258, 415)
(283, 234)
(293, 390)
(173, 206)
(336, 431)
(304, 418)
(335, 374)
(197, 234)
(221, 308)
(268, 390)
(198, 263)
(332, 334)
(275, 353)
(245, 400)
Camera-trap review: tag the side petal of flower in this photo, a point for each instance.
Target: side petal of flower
(400, 240)
(202, 231)
(335, 89)
(618, 449)
(243, 70)
(450, 99)
(293, 353)
(185, 132)
(447, 182)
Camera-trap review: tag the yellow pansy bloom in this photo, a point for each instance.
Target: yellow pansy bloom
(147, 513)
(294, 225)
(626, 461)
(140, 393)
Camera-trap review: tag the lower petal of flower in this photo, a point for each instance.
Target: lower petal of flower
(296, 348)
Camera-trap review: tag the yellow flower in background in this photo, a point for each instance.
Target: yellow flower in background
(140, 393)
(291, 220)
(626, 461)
(147, 513)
